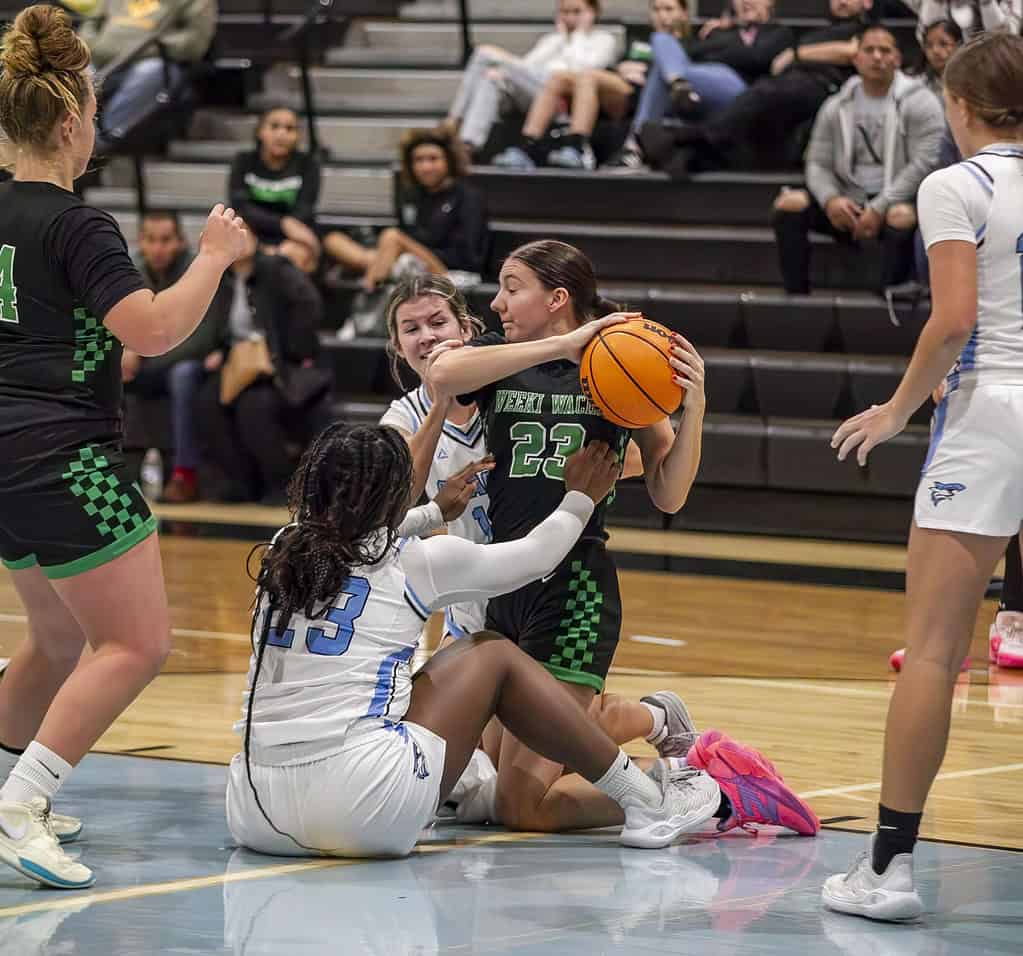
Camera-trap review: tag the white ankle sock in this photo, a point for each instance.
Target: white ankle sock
(660, 717)
(39, 772)
(628, 786)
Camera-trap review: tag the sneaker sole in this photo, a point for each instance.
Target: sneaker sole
(663, 833)
(40, 874)
(1009, 661)
(68, 837)
(892, 908)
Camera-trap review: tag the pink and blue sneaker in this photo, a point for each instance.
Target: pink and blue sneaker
(754, 788)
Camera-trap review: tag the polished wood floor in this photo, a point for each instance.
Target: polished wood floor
(797, 670)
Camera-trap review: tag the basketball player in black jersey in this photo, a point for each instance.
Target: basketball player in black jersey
(75, 531)
(535, 416)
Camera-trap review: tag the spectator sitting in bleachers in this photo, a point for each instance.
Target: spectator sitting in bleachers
(256, 436)
(442, 219)
(758, 130)
(129, 93)
(698, 76)
(275, 187)
(871, 147)
(971, 16)
(493, 75)
(163, 258)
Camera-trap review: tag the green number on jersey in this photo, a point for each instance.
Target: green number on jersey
(568, 438)
(8, 290)
(529, 442)
(529, 448)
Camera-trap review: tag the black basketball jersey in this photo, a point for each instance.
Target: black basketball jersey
(533, 421)
(63, 266)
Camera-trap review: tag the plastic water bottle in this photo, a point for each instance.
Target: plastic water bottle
(152, 474)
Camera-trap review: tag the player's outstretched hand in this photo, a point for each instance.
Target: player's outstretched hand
(866, 431)
(574, 343)
(458, 490)
(224, 235)
(593, 470)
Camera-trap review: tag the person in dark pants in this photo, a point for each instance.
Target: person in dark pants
(257, 439)
(872, 145)
(163, 259)
(757, 131)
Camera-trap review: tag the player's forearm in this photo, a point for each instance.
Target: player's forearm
(936, 352)
(840, 52)
(465, 370)
(175, 313)
(422, 520)
(673, 479)
(423, 445)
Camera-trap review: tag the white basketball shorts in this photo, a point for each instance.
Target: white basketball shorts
(972, 479)
(371, 799)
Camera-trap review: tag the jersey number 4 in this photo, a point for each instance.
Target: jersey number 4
(352, 602)
(529, 448)
(8, 290)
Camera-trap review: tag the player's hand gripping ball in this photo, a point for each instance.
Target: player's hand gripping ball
(625, 372)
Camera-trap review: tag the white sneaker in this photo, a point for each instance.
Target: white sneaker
(1010, 648)
(28, 843)
(473, 799)
(689, 799)
(680, 731)
(889, 896)
(66, 829)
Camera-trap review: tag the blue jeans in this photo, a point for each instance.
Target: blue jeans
(131, 91)
(180, 383)
(716, 84)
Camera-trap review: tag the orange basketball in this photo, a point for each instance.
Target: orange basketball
(625, 373)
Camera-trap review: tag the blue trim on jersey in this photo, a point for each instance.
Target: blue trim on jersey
(416, 420)
(1009, 152)
(968, 359)
(470, 434)
(980, 232)
(417, 604)
(452, 628)
(936, 433)
(387, 674)
(985, 180)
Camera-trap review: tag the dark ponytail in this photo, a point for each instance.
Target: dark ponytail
(560, 266)
(348, 497)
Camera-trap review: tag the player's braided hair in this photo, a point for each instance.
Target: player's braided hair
(348, 497)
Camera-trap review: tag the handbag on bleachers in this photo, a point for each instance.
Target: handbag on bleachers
(247, 361)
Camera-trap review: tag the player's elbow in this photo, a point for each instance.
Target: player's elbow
(956, 326)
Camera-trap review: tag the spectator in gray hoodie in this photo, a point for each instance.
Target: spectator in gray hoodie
(872, 145)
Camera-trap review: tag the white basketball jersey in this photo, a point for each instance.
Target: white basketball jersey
(353, 662)
(458, 446)
(980, 201)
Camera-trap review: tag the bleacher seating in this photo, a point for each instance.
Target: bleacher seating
(699, 257)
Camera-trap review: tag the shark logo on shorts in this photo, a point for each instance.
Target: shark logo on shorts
(419, 766)
(942, 491)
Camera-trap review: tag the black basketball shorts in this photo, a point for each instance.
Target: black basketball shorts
(67, 505)
(569, 622)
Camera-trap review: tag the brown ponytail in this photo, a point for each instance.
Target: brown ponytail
(988, 74)
(43, 75)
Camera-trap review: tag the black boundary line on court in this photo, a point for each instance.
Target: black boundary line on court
(627, 560)
(963, 843)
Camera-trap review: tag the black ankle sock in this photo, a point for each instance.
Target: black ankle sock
(896, 833)
(11, 750)
(724, 810)
(575, 140)
(533, 148)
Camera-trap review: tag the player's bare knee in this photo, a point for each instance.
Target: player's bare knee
(901, 216)
(792, 201)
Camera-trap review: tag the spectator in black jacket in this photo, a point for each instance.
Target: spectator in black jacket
(758, 129)
(257, 439)
(443, 221)
(163, 259)
(275, 187)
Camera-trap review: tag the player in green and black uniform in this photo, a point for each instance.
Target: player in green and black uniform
(527, 384)
(75, 532)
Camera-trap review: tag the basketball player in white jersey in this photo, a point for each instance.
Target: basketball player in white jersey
(970, 499)
(345, 754)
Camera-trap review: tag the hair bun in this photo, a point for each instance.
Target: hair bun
(41, 40)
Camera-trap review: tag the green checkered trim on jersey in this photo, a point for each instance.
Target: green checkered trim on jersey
(92, 343)
(102, 495)
(580, 627)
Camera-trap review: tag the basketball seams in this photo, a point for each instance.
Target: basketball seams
(628, 374)
(593, 384)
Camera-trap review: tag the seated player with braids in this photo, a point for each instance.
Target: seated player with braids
(345, 753)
